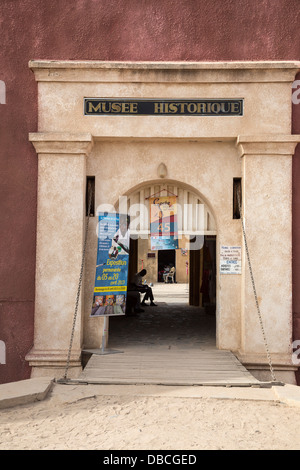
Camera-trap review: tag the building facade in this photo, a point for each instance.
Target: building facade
(51, 146)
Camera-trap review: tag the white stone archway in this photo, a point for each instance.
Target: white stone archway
(195, 221)
(195, 216)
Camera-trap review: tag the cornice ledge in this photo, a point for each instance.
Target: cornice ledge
(159, 65)
(62, 143)
(267, 144)
(164, 72)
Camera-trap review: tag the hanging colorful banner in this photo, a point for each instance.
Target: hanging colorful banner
(163, 223)
(110, 289)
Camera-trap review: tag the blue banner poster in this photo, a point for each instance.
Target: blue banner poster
(110, 289)
(163, 223)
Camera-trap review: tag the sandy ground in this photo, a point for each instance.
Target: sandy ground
(106, 417)
(84, 417)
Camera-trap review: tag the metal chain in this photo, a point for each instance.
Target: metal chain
(255, 294)
(90, 192)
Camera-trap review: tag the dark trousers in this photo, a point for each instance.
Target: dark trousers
(148, 293)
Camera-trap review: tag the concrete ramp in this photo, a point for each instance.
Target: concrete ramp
(171, 344)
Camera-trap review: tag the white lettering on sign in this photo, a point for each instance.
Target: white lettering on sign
(230, 259)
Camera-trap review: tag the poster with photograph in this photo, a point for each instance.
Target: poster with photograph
(163, 223)
(110, 289)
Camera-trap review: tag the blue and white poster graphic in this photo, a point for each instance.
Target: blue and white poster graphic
(110, 289)
(163, 223)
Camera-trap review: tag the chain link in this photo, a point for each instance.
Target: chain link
(254, 291)
(90, 193)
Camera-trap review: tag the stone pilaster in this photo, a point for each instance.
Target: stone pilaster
(60, 232)
(267, 213)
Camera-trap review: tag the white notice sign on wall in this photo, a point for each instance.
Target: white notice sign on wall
(230, 259)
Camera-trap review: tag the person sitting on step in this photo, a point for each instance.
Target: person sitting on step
(143, 288)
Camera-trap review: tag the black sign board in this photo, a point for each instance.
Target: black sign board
(162, 107)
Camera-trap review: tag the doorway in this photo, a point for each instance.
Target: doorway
(166, 259)
(184, 315)
(185, 311)
(202, 275)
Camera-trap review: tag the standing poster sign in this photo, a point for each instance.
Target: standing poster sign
(163, 223)
(110, 289)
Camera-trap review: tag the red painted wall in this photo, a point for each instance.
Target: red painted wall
(108, 30)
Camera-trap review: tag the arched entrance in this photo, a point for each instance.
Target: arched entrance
(197, 230)
(186, 301)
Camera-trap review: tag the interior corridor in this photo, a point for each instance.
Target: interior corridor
(173, 324)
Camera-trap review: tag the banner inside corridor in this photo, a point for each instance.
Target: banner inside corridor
(163, 223)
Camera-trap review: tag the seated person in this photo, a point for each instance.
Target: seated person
(166, 273)
(137, 284)
(169, 276)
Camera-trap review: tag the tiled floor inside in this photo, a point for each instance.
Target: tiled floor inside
(172, 324)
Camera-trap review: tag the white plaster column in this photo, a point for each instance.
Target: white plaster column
(267, 213)
(60, 232)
